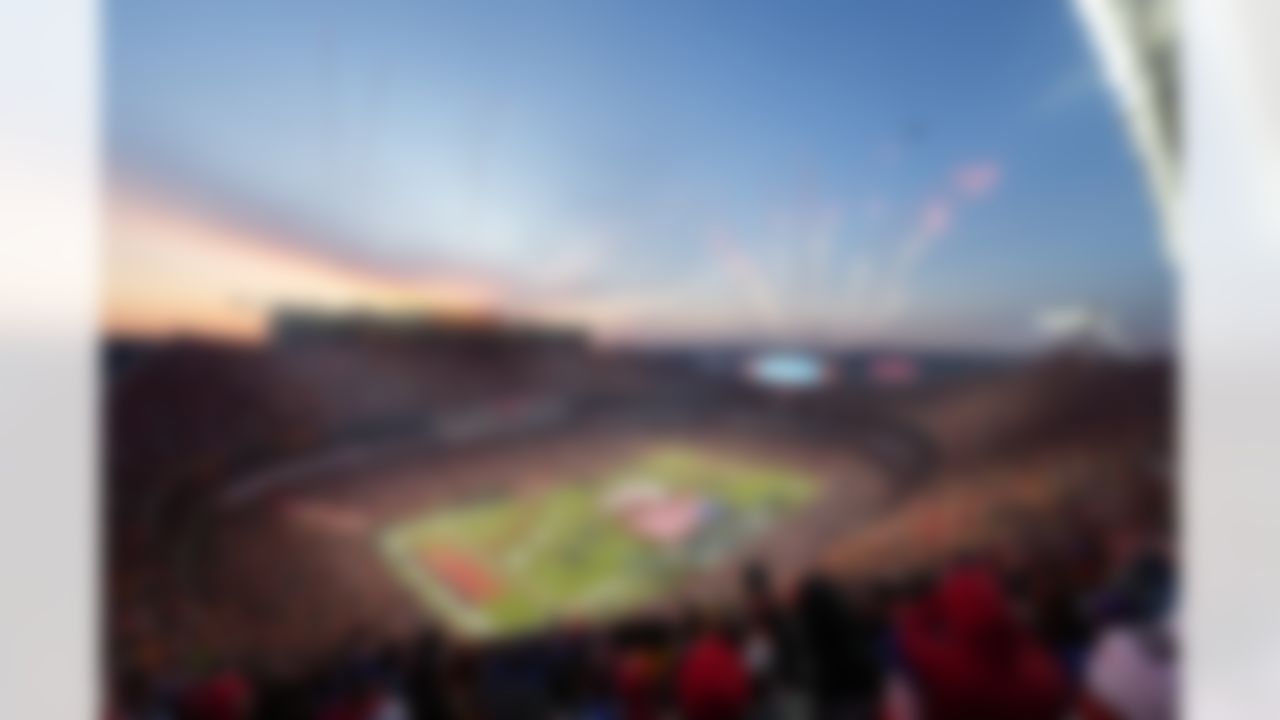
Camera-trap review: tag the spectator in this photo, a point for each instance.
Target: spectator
(594, 694)
(1131, 673)
(713, 682)
(773, 646)
(224, 696)
(1058, 616)
(282, 698)
(846, 671)
(426, 693)
(639, 684)
(367, 690)
(459, 675)
(137, 698)
(969, 658)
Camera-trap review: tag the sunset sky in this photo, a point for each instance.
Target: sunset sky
(923, 174)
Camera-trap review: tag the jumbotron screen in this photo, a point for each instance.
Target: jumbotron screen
(787, 370)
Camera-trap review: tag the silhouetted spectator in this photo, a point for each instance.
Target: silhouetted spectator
(424, 678)
(638, 680)
(773, 647)
(137, 697)
(845, 669)
(1060, 621)
(281, 698)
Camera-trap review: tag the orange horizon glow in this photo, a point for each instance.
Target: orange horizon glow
(173, 271)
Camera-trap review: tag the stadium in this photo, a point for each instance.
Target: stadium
(706, 361)
(560, 484)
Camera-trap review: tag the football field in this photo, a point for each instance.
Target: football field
(588, 547)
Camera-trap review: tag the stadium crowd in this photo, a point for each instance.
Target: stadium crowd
(1078, 627)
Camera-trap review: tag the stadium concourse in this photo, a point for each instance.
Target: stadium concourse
(365, 521)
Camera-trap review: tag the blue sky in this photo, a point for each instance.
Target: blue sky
(893, 171)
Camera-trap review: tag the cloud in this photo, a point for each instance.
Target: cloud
(574, 269)
(171, 268)
(609, 312)
(1077, 323)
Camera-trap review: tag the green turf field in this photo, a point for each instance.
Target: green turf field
(587, 547)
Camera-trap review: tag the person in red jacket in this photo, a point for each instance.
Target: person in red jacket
(968, 657)
(713, 682)
(223, 696)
